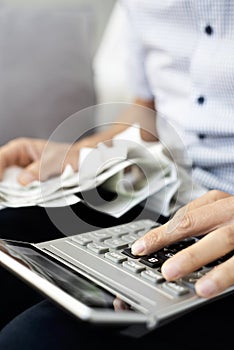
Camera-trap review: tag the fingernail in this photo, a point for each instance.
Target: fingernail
(138, 247)
(171, 270)
(206, 288)
(26, 177)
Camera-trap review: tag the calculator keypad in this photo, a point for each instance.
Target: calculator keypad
(114, 246)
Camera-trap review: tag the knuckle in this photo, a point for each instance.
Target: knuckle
(175, 222)
(230, 269)
(154, 239)
(158, 240)
(180, 212)
(229, 233)
(35, 171)
(216, 195)
(22, 139)
(229, 204)
(186, 222)
(18, 140)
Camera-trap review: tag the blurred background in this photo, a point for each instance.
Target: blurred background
(58, 57)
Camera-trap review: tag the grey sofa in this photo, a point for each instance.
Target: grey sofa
(45, 67)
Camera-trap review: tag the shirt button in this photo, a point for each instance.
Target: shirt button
(200, 100)
(209, 30)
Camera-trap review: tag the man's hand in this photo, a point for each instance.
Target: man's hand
(211, 215)
(39, 158)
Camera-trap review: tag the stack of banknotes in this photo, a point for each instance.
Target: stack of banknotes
(134, 170)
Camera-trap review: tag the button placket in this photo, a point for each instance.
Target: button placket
(209, 31)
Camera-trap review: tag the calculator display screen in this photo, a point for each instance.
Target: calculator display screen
(67, 279)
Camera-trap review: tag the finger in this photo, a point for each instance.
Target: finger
(29, 174)
(2, 165)
(209, 248)
(120, 305)
(8, 156)
(14, 153)
(217, 280)
(207, 198)
(203, 219)
(34, 153)
(195, 222)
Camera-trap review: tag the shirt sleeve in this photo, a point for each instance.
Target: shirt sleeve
(135, 58)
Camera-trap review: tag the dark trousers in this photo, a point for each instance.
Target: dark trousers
(29, 321)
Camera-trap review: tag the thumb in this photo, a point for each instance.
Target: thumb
(29, 174)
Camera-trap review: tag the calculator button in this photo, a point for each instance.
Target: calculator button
(137, 226)
(100, 235)
(130, 238)
(81, 239)
(116, 243)
(97, 248)
(118, 230)
(133, 266)
(116, 257)
(165, 254)
(175, 288)
(152, 276)
(192, 277)
(127, 252)
(151, 260)
(175, 247)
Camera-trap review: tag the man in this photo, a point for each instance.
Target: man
(180, 64)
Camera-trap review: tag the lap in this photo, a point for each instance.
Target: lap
(33, 224)
(45, 326)
(24, 224)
